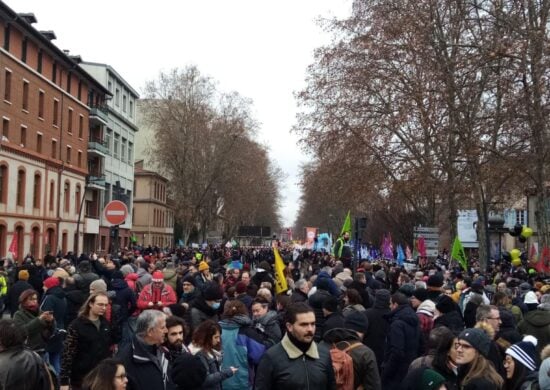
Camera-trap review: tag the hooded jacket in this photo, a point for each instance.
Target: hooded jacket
(378, 329)
(537, 323)
(54, 301)
(316, 302)
(268, 325)
(166, 295)
(402, 345)
(37, 329)
(124, 297)
(170, 277)
(201, 312)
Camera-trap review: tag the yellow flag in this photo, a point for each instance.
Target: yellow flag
(280, 280)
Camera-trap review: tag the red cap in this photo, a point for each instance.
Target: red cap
(158, 276)
(51, 282)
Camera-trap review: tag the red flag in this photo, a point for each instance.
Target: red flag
(543, 265)
(422, 247)
(13, 245)
(533, 253)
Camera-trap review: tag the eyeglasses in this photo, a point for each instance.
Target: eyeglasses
(102, 304)
(463, 346)
(121, 376)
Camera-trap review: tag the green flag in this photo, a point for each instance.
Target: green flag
(458, 254)
(347, 224)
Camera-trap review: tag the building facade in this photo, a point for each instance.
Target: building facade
(115, 162)
(45, 103)
(153, 222)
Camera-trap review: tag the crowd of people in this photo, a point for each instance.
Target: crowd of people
(212, 319)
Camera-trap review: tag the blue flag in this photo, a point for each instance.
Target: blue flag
(400, 255)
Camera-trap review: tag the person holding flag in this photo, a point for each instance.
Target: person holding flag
(342, 249)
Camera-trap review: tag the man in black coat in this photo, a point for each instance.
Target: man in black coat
(333, 316)
(402, 343)
(378, 324)
(16, 289)
(360, 284)
(316, 302)
(301, 288)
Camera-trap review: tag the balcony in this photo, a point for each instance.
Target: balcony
(97, 147)
(99, 114)
(97, 182)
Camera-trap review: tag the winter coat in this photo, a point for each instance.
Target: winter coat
(333, 321)
(147, 367)
(170, 277)
(268, 326)
(22, 369)
(316, 302)
(214, 374)
(480, 383)
(131, 279)
(75, 298)
(352, 309)
(243, 347)
(38, 331)
(285, 367)
(124, 297)
(362, 290)
(537, 323)
(298, 296)
(365, 367)
(333, 288)
(144, 279)
(166, 295)
(402, 345)
(201, 312)
(378, 329)
(85, 346)
(262, 276)
(451, 320)
(54, 301)
(14, 292)
(84, 279)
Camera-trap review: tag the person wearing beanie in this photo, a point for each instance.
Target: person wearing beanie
(125, 304)
(475, 370)
(520, 364)
(537, 322)
(54, 301)
(189, 292)
(379, 326)
(204, 276)
(15, 291)
(188, 372)
(418, 296)
(97, 286)
(36, 324)
(435, 286)
(157, 294)
(349, 338)
(403, 340)
(449, 314)
(207, 305)
(263, 274)
(333, 316)
(424, 378)
(23, 275)
(425, 313)
(316, 301)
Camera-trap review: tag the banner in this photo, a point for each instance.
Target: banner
(311, 232)
(14, 245)
(280, 280)
(458, 254)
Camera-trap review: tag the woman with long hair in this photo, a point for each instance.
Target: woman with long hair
(353, 302)
(206, 345)
(475, 370)
(38, 326)
(520, 364)
(109, 374)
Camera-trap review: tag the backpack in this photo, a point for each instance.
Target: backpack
(342, 364)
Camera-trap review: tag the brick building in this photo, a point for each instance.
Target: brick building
(45, 104)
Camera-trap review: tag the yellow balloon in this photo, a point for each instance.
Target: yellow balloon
(515, 253)
(516, 262)
(527, 232)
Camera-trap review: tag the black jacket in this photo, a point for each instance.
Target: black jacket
(14, 292)
(125, 298)
(146, 366)
(333, 321)
(298, 296)
(402, 346)
(362, 290)
(22, 369)
(54, 301)
(286, 367)
(377, 331)
(75, 298)
(452, 320)
(316, 302)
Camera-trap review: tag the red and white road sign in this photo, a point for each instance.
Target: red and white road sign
(115, 212)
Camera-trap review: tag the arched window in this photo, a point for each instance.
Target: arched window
(67, 196)
(3, 185)
(3, 235)
(35, 242)
(20, 242)
(77, 196)
(52, 195)
(37, 191)
(20, 187)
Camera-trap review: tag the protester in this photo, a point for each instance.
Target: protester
(109, 374)
(157, 294)
(206, 306)
(188, 372)
(15, 291)
(537, 323)
(266, 321)
(520, 364)
(38, 326)
(377, 316)
(175, 337)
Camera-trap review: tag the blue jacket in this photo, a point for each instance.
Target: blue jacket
(242, 347)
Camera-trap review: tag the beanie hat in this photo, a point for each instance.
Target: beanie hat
(26, 294)
(530, 297)
(477, 339)
(157, 276)
(330, 304)
(380, 274)
(431, 380)
(126, 269)
(203, 266)
(435, 280)
(188, 372)
(240, 288)
(421, 294)
(427, 307)
(265, 266)
(525, 352)
(382, 298)
(189, 279)
(212, 292)
(51, 282)
(407, 290)
(357, 321)
(23, 275)
(525, 286)
(117, 275)
(444, 304)
(323, 284)
(98, 285)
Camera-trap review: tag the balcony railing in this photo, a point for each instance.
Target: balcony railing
(98, 181)
(96, 144)
(99, 112)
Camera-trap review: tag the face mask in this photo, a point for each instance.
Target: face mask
(72, 269)
(216, 305)
(31, 306)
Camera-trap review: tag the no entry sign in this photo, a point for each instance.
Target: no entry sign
(115, 212)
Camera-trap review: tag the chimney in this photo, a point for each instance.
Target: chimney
(50, 35)
(28, 17)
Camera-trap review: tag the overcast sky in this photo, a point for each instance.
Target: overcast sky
(258, 48)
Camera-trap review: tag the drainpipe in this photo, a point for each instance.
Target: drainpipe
(59, 173)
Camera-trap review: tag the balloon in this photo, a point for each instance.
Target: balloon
(518, 228)
(506, 256)
(516, 262)
(527, 232)
(522, 239)
(515, 253)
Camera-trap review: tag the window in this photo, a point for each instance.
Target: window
(131, 109)
(130, 152)
(26, 95)
(39, 143)
(115, 148)
(20, 196)
(7, 86)
(36, 194)
(55, 112)
(54, 73)
(3, 184)
(7, 37)
(70, 121)
(67, 196)
(24, 50)
(41, 104)
(124, 103)
(80, 126)
(123, 150)
(52, 195)
(69, 82)
(80, 159)
(23, 140)
(5, 129)
(110, 86)
(108, 138)
(39, 67)
(79, 90)
(54, 149)
(69, 150)
(117, 97)
(77, 199)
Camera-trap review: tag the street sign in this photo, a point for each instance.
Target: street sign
(115, 212)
